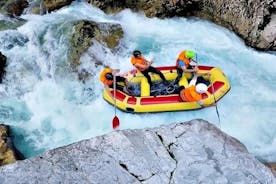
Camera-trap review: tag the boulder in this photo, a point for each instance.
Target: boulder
(85, 32)
(8, 153)
(254, 21)
(51, 5)
(13, 7)
(191, 152)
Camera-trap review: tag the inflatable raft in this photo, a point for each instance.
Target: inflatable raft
(168, 99)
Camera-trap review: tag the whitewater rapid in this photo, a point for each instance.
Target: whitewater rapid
(47, 106)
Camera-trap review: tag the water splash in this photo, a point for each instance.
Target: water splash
(51, 108)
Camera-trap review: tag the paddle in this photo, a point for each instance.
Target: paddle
(115, 121)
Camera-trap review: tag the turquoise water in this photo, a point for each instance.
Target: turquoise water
(48, 107)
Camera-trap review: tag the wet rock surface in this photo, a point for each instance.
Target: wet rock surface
(85, 34)
(254, 21)
(8, 153)
(13, 8)
(191, 152)
(51, 5)
(3, 64)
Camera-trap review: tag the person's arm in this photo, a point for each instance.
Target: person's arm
(183, 67)
(141, 66)
(148, 64)
(195, 69)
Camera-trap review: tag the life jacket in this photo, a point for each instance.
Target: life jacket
(182, 57)
(190, 95)
(103, 78)
(141, 60)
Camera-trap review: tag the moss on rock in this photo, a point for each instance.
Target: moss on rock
(85, 31)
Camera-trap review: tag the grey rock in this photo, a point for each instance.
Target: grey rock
(252, 20)
(191, 152)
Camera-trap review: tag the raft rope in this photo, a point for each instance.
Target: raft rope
(213, 90)
(213, 93)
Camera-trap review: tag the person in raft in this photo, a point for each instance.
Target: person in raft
(183, 64)
(144, 66)
(193, 93)
(107, 77)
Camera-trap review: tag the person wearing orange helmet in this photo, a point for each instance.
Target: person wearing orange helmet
(144, 66)
(107, 77)
(183, 64)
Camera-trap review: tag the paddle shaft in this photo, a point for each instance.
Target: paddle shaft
(114, 92)
(115, 121)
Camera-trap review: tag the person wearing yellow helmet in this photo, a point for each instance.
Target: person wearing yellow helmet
(183, 64)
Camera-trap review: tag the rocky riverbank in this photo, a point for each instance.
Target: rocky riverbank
(254, 21)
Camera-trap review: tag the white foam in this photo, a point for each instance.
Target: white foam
(60, 110)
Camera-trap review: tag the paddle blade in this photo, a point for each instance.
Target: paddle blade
(115, 122)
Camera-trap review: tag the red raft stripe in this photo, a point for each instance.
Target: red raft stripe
(119, 95)
(217, 85)
(205, 67)
(131, 100)
(166, 67)
(133, 72)
(204, 95)
(160, 100)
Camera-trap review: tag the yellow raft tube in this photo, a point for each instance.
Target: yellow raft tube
(218, 87)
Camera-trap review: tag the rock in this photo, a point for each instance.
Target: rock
(3, 63)
(8, 153)
(272, 166)
(191, 152)
(16, 8)
(13, 7)
(253, 20)
(51, 5)
(85, 32)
